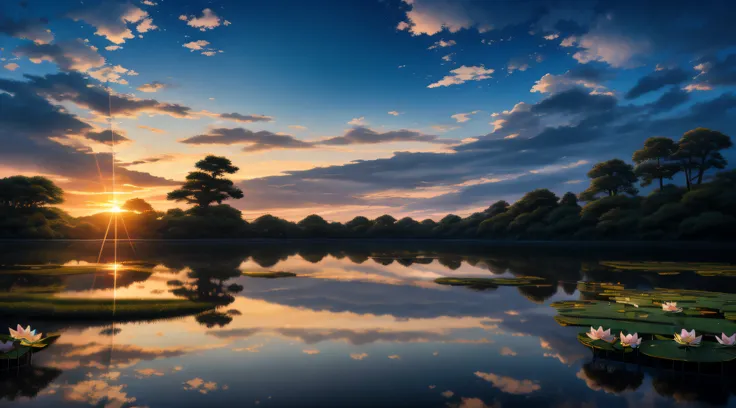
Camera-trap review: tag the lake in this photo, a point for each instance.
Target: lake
(361, 325)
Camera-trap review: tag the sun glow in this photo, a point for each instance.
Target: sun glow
(116, 209)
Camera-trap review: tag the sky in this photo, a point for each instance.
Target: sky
(341, 108)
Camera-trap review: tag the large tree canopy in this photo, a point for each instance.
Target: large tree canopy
(611, 177)
(654, 161)
(699, 151)
(29, 192)
(207, 186)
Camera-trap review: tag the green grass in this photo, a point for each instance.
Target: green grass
(269, 275)
(55, 308)
(62, 270)
(490, 283)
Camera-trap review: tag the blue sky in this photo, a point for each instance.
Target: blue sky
(445, 106)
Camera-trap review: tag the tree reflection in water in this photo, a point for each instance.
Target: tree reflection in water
(25, 382)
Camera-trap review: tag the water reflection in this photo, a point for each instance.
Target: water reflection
(359, 326)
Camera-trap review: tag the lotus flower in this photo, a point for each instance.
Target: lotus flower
(630, 340)
(671, 307)
(26, 334)
(726, 340)
(6, 346)
(600, 334)
(688, 338)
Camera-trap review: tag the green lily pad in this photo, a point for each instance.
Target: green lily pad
(15, 353)
(603, 345)
(705, 353)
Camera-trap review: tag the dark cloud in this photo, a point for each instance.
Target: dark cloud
(34, 30)
(717, 72)
(575, 100)
(105, 136)
(31, 129)
(592, 73)
(255, 141)
(657, 80)
(237, 117)
(364, 135)
(155, 159)
(75, 88)
(68, 55)
(670, 100)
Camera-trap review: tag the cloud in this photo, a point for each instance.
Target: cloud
(94, 392)
(202, 386)
(364, 135)
(27, 30)
(670, 100)
(145, 160)
(68, 55)
(506, 351)
(111, 20)
(113, 47)
(105, 137)
(149, 3)
(11, 66)
(255, 141)
(431, 17)
(298, 127)
(237, 117)
(463, 117)
(657, 80)
(442, 44)
(207, 21)
(154, 86)
(713, 72)
(393, 113)
(358, 356)
(463, 74)
(358, 121)
(196, 45)
(448, 57)
(553, 36)
(310, 351)
(112, 74)
(394, 357)
(510, 385)
(74, 88)
(587, 76)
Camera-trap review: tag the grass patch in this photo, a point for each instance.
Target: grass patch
(65, 270)
(55, 308)
(490, 283)
(270, 275)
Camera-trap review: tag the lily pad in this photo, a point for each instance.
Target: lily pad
(603, 345)
(705, 353)
(15, 353)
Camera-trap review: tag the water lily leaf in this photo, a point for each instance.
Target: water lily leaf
(15, 353)
(602, 345)
(705, 353)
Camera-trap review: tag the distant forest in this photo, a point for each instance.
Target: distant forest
(690, 200)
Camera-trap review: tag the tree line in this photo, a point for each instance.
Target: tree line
(701, 206)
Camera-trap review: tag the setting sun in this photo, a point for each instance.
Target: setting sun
(116, 209)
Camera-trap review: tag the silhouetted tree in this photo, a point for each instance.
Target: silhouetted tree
(207, 186)
(699, 151)
(653, 161)
(612, 178)
(137, 205)
(29, 192)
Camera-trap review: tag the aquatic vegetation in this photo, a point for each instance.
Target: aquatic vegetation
(490, 283)
(630, 340)
(600, 334)
(726, 340)
(25, 335)
(269, 275)
(671, 307)
(58, 308)
(673, 268)
(670, 350)
(688, 338)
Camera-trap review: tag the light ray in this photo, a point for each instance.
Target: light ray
(130, 241)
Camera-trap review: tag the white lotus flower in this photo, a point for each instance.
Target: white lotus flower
(6, 346)
(25, 334)
(600, 334)
(726, 340)
(688, 338)
(630, 340)
(671, 307)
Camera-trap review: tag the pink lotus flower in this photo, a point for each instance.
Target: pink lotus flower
(671, 307)
(26, 334)
(688, 338)
(630, 340)
(726, 340)
(600, 334)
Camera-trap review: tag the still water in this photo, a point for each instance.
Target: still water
(361, 325)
